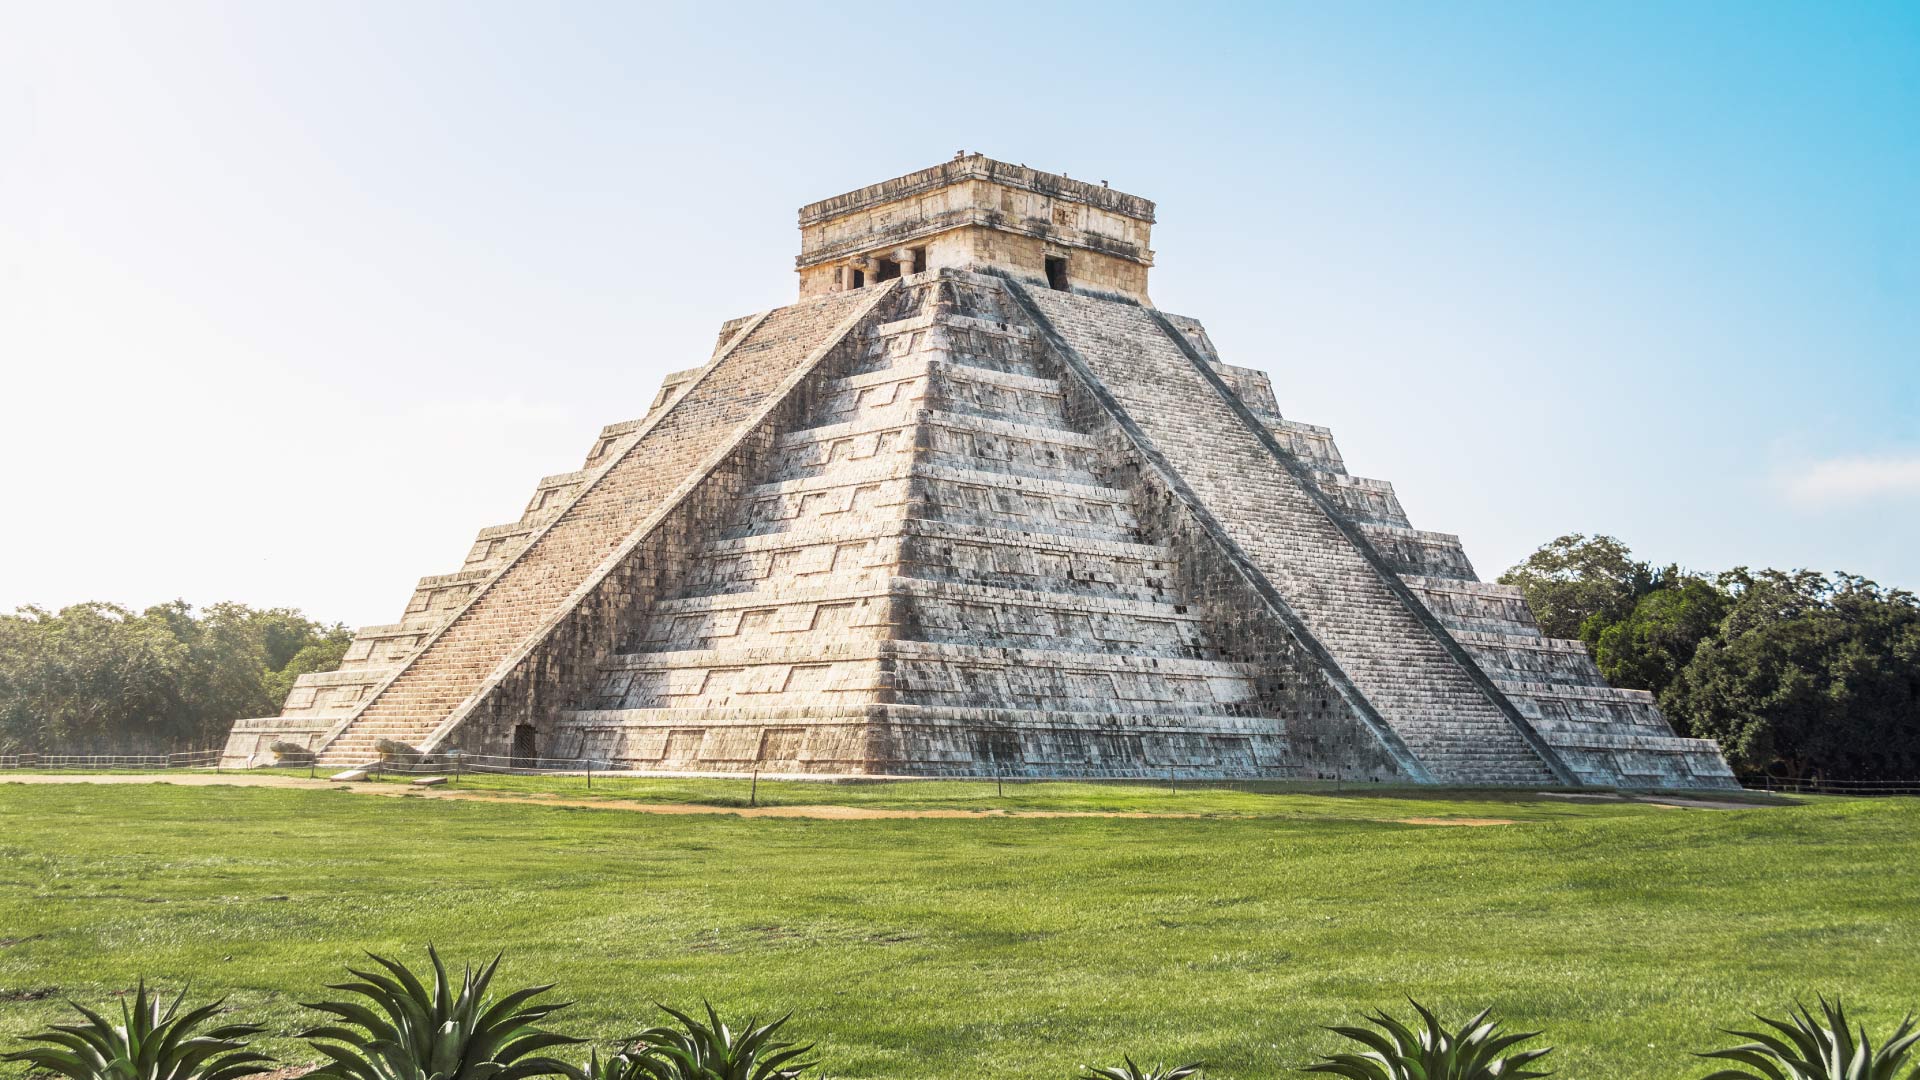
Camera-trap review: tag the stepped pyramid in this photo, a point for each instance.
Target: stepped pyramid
(972, 506)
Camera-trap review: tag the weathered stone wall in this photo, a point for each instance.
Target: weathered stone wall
(250, 742)
(1025, 257)
(974, 213)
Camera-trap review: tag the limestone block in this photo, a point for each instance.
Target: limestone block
(1371, 502)
(1419, 552)
(1309, 442)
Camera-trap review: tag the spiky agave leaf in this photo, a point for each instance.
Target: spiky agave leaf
(625, 1065)
(1802, 1047)
(412, 1031)
(1130, 1071)
(1477, 1050)
(712, 1051)
(153, 1041)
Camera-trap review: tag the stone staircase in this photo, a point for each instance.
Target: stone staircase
(578, 519)
(1553, 698)
(935, 562)
(1451, 725)
(322, 701)
(1605, 734)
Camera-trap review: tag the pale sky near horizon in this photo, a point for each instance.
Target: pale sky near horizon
(295, 298)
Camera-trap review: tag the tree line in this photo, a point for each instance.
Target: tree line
(98, 678)
(1794, 673)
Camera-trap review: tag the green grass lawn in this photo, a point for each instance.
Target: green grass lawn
(997, 946)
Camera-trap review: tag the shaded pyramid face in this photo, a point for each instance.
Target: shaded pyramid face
(957, 525)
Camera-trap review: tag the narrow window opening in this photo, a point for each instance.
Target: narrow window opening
(859, 279)
(1057, 273)
(919, 259)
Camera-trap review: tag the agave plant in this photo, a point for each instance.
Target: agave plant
(626, 1065)
(1806, 1048)
(1130, 1071)
(149, 1043)
(1397, 1052)
(712, 1051)
(442, 1033)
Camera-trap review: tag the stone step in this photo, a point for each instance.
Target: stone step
(598, 508)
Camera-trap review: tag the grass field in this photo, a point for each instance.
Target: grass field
(991, 946)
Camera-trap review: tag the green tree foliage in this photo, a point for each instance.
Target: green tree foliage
(322, 655)
(1647, 649)
(1576, 579)
(1799, 674)
(1808, 675)
(100, 678)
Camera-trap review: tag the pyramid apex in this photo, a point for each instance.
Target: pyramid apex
(976, 213)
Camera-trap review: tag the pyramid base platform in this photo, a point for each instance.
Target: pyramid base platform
(926, 741)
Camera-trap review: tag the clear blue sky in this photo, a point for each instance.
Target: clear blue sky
(294, 298)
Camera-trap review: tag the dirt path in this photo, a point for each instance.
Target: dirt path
(1681, 802)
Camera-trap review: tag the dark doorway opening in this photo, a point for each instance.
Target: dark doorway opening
(526, 747)
(889, 269)
(859, 279)
(1057, 274)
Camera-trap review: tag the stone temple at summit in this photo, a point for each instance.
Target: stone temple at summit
(973, 506)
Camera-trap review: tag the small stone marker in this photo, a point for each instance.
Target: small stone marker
(429, 781)
(350, 774)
